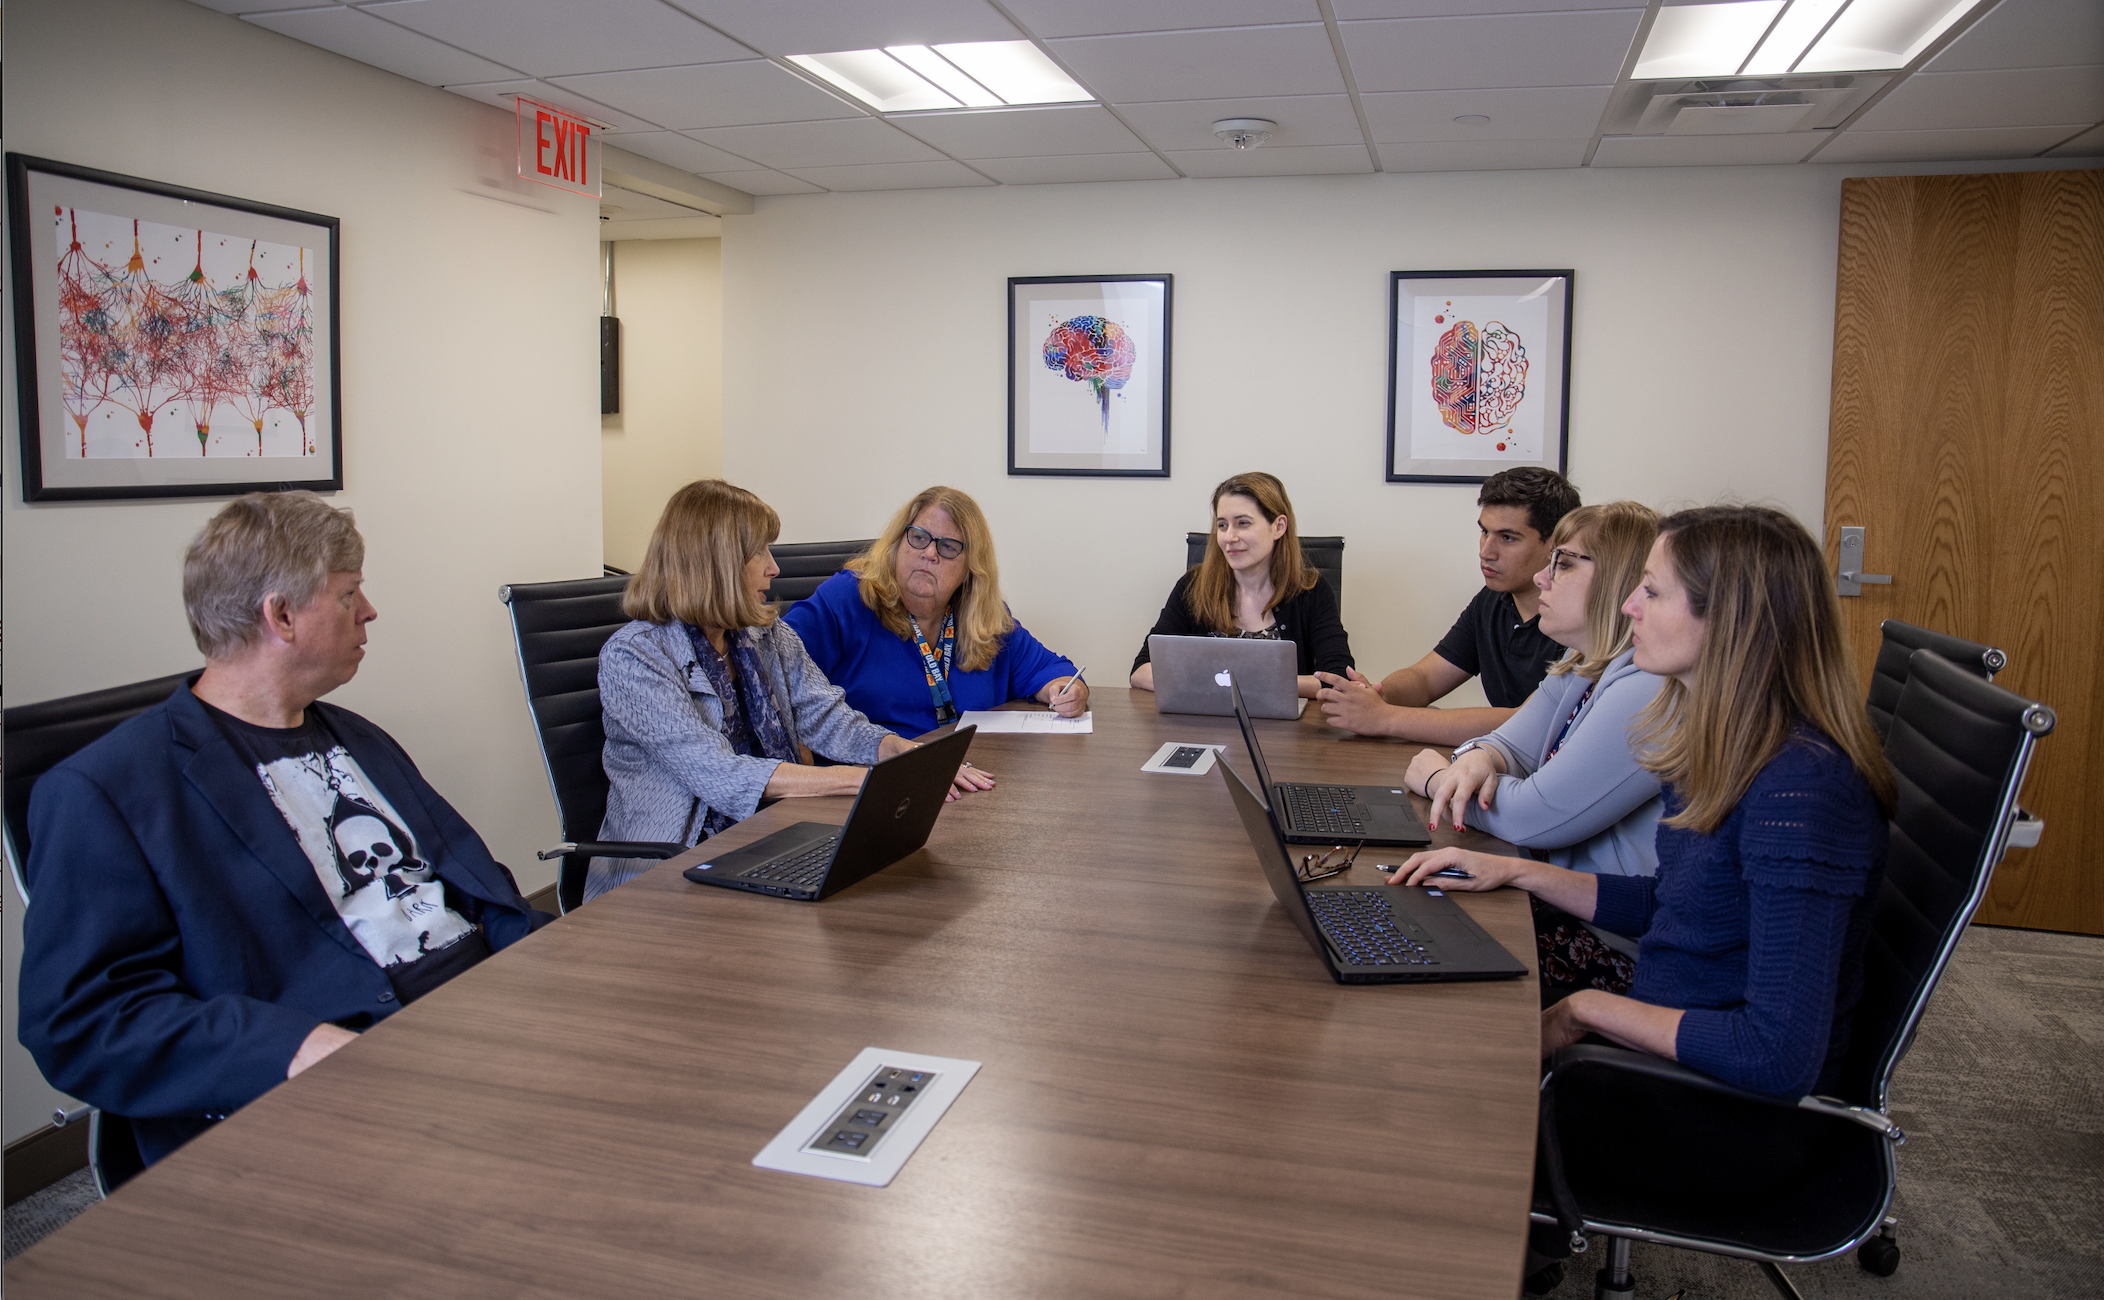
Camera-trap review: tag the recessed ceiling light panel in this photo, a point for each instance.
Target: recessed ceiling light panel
(1799, 26)
(876, 79)
(1017, 71)
(920, 78)
(1881, 34)
(944, 74)
(1705, 40)
(1765, 38)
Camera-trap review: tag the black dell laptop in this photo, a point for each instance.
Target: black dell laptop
(1333, 814)
(1372, 934)
(893, 813)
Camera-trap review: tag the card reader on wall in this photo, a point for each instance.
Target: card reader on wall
(863, 1125)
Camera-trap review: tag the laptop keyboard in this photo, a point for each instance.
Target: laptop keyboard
(1363, 930)
(1322, 810)
(806, 868)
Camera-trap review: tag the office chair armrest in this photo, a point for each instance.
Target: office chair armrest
(614, 849)
(2025, 829)
(1584, 1055)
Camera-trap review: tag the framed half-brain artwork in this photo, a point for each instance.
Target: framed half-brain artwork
(1479, 366)
(1088, 375)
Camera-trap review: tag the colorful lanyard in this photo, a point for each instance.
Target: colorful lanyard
(938, 675)
(1565, 734)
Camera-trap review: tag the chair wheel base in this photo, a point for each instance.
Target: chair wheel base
(1605, 1287)
(1879, 1255)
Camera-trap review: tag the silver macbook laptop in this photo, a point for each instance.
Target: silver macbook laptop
(1191, 675)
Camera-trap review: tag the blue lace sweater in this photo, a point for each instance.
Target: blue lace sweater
(1756, 930)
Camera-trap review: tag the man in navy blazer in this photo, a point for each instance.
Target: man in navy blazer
(230, 886)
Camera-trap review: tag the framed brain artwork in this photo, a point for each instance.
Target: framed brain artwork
(1088, 375)
(1479, 366)
(169, 342)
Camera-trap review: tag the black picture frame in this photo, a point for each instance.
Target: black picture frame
(260, 364)
(1411, 434)
(1034, 404)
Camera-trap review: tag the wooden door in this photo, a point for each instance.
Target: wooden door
(1967, 437)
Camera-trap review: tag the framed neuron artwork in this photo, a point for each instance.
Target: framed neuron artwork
(170, 342)
(1479, 373)
(1088, 375)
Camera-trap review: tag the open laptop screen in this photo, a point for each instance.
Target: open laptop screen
(1249, 735)
(1271, 855)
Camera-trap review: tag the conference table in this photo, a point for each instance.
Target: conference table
(1176, 1100)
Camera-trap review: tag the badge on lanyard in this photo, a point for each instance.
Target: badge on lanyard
(938, 672)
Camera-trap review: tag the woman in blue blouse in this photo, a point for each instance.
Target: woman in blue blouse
(1750, 936)
(915, 631)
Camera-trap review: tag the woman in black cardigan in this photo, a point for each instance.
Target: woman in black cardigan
(1255, 583)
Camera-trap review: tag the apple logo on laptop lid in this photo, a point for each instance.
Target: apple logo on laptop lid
(1223, 678)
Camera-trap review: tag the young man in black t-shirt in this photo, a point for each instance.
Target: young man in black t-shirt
(1498, 637)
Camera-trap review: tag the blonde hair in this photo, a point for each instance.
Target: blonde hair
(263, 544)
(1618, 536)
(1211, 594)
(983, 621)
(1772, 654)
(694, 569)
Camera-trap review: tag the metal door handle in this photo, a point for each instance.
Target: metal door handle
(1852, 576)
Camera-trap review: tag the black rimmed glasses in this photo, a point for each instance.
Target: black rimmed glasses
(1562, 561)
(919, 539)
(1321, 866)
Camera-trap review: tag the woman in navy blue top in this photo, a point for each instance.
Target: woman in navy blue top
(1750, 937)
(915, 631)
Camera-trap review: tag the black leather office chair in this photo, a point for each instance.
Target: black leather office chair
(558, 628)
(38, 738)
(1640, 1148)
(1325, 553)
(1896, 650)
(806, 564)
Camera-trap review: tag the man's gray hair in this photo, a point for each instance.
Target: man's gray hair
(283, 543)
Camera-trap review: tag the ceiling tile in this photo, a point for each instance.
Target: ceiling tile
(503, 95)
(365, 38)
(1482, 155)
(1100, 17)
(713, 94)
(1856, 145)
(553, 37)
(1352, 10)
(2087, 145)
(1272, 160)
(1023, 132)
(1206, 65)
(253, 6)
(1705, 150)
(1930, 101)
(1556, 49)
(1553, 113)
(762, 182)
(676, 150)
(1075, 169)
(2031, 34)
(1302, 120)
(803, 145)
(894, 176)
(824, 26)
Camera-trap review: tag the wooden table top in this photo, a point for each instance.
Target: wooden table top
(1176, 1099)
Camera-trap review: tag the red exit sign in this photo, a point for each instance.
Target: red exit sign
(557, 148)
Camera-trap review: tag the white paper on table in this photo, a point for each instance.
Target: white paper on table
(999, 721)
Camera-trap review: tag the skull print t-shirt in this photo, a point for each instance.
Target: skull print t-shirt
(362, 851)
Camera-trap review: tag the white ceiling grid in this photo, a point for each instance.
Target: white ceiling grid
(1354, 85)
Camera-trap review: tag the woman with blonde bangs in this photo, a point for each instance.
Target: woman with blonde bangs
(915, 630)
(1559, 775)
(1254, 583)
(708, 700)
(1750, 935)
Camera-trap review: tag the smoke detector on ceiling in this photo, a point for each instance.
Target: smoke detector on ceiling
(1244, 132)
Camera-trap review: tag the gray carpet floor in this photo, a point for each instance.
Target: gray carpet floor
(2001, 1183)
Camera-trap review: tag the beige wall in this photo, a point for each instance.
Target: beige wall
(669, 296)
(868, 359)
(469, 388)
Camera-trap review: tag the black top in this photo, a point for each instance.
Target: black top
(1490, 641)
(1308, 620)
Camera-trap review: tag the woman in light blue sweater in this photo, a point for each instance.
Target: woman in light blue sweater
(1559, 776)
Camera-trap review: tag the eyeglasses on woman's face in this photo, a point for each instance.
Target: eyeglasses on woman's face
(920, 539)
(1562, 561)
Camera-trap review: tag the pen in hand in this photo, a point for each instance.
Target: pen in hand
(1068, 685)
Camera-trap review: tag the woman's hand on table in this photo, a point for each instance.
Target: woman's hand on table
(1473, 776)
(969, 780)
(1427, 764)
(1485, 870)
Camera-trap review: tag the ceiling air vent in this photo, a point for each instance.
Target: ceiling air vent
(1737, 105)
